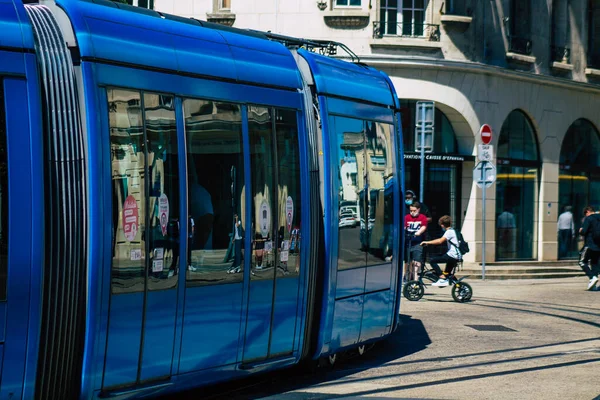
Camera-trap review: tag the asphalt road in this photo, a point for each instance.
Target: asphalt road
(527, 339)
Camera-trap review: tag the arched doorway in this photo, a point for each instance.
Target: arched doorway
(517, 188)
(579, 177)
(443, 168)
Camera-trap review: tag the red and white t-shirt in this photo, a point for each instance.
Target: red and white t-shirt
(413, 224)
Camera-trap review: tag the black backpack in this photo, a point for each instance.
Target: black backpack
(595, 228)
(463, 246)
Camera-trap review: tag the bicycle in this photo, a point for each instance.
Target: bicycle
(415, 289)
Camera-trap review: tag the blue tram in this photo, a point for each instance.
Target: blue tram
(169, 201)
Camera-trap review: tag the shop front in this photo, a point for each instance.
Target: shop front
(579, 181)
(443, 168)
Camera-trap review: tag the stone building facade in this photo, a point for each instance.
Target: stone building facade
(528, 68)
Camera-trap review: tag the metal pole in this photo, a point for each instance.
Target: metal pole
(422, 180)
(484, 188)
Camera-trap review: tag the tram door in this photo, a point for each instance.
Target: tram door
(145, 237)
(273, 309)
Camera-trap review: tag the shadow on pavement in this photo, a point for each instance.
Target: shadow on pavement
(411, 337)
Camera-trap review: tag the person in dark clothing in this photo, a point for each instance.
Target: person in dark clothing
(409, 199)
(238, 241)
(590, 253)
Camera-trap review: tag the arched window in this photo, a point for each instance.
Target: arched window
(579, 179)
(517, 189)
(517, 140)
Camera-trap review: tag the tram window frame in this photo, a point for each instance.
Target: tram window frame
(208, 184)
(3, 197)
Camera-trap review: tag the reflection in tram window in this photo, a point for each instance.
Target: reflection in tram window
(365, 163)
(379, 177)
(288, 168)
(128, 199)
(145, 177)
(260, 127)
(351, 208)
(276, 218)
(163, 179)
(215, 192)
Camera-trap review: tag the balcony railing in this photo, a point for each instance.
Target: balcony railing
(429, 32)
(561, 54)
(519, 45)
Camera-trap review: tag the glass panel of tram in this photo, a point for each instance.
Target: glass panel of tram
(381, 202)
(145, 207)
(129, 206)
(215, 192)
(352, 211)
(365, 192)
(163, 196)
(263, 192)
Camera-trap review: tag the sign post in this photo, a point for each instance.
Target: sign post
(424, 137)
(484, 175)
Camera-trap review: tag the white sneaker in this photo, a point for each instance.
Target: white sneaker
(441, 282)
(592, 283)
(388, 258)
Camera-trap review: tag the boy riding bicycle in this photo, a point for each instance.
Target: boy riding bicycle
(452, 256)
(415, 225)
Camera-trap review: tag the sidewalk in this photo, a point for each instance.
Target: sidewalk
(528, 339)
(523, 270)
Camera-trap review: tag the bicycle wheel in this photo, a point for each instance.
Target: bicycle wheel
(462, 292)
(413, 290)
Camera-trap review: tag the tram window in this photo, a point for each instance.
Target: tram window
(163, 178)
(215, 164)
(128, 199)
(288, 167)
(3, 198)
(353, 222)
(262, 164)
(381, 202)
(365, 162)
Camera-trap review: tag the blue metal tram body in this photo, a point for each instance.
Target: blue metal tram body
(117, 121)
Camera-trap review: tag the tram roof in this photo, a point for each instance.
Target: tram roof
(349, 80)
(15, 28)
(119, 33)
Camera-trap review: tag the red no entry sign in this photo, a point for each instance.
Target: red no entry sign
(486, 133)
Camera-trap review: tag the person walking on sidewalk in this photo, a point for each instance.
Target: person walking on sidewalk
(566, 231)
(452, 256)
(590, 254)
